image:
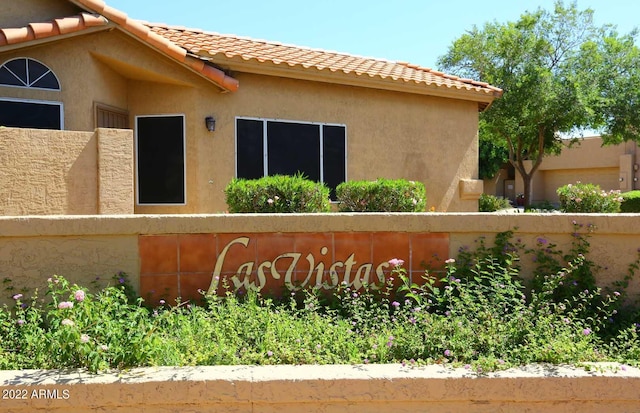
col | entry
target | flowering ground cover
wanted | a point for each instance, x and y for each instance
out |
(478, 313)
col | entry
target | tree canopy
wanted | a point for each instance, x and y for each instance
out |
(560, 73)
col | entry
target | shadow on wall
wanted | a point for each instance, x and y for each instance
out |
(81, 180)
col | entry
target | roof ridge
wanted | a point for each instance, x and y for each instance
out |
(54, 27)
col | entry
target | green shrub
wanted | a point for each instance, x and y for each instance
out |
(542, 207)
(277, 194)
(491, 203)
(630, 201)
(588, 198)
(382, 195)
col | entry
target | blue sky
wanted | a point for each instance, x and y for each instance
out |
(416, 31)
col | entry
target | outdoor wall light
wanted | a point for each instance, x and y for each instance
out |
(635, 167)
(621, 179)
(211, 123)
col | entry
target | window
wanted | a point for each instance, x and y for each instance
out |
(160, 159)
(29, 73)
(271, 147)
(22, 113)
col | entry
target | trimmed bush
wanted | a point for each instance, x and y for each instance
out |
(382, 195)
(630, 202)
(588, 198)
(277, 194)
(491, 203)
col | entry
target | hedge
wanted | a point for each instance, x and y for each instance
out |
(382, 195)
(277, 194)
(630, 201)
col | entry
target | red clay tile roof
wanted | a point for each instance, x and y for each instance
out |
(179, 42)
(57, 27)
(214, 45)
(142, 32)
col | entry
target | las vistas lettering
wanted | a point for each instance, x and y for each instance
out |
(314, 277)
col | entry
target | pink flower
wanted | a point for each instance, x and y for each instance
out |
(450, 261)
(65, 304)
(84, 338)
(447, 353)
(17, 297)
(67, 322)
(270, 201)
(586, 331)
(79, 295)
(396, 262)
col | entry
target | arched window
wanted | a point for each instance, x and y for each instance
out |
(27, 72)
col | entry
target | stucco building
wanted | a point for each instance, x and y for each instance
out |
(612, 167)
(107, 114)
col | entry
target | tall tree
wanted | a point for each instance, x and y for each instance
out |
(556, 71)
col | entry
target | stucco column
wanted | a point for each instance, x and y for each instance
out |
(115, 171)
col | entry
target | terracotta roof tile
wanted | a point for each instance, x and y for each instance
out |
(171, 49)
(209, 44)
(35, 31)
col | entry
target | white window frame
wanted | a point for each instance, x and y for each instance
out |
(265, 140)
(32, 87)
(40, 102)
(184, 156)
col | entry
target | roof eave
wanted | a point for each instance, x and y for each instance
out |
(56, 38)
(484, 96)
(140, 32)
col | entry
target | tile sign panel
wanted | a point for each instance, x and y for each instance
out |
(182, 265)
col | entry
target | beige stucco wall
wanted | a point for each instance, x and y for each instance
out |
(34, 248)
(330, 388)
(114, 69)
(44, 172)
(588, 161)
(422, 130)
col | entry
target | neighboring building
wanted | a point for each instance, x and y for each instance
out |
(613, 167)
(79, 65)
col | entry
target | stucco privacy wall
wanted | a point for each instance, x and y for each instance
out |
(389, 134)
(45, 172)
(329, 388)
(83, 247)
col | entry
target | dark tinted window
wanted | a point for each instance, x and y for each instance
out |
(293, 148)
(334, 156)
(27, 72)
(249, 149)
(30, 115)
(8, 78)
(160, 149)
